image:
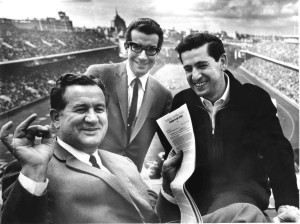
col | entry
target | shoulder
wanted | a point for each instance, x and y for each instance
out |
(95, 70)
(184, 95)
(254, 92)
(159, 86)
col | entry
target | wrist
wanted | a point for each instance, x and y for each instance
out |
(36, 173)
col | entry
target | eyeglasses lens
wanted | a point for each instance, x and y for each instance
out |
(138, 48)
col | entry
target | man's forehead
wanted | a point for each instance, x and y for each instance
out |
(143, 38)
(83, 88)
(77, 92)
(196, 55)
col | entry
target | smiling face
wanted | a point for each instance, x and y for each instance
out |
(205, 75)
(141, 63)
(83, 122)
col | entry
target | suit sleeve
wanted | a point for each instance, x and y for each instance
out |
(167, 211)
(165, 143)
(19, 206)
(93, 71)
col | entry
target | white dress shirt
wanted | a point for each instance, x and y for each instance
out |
(82, 156)
(212, 109)
(141, 91)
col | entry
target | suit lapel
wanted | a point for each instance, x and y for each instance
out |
(114, 167)
(145, 108)
(76, 164)
(122, 92)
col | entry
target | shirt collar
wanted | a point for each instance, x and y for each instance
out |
(225, 96)
(82, 156)
(131, 76)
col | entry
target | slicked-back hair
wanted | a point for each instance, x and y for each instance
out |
(57, 100)
(146, 26)
(215, 47)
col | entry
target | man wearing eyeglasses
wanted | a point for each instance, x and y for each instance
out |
(136, 98)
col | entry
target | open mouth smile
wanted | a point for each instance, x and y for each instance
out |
(200, 84)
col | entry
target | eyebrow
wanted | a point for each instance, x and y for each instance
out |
(198, 63)
(143, 45)
(187, 66)
(85, 105)
(201, 63)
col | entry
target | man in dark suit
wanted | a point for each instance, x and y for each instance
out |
(69, 180)
(137, 99)
(241, 151)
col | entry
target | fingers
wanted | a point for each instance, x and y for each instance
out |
(173, 163)
(175, 160)
(5, 137)
(288, 216)
(40, 131)
(20, 130)
(276, 220)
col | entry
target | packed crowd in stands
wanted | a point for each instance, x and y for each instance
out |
(20, 44)
(283, 79)
(280, 50)
(31, 83)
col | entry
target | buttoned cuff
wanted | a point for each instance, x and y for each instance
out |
(168, 196)
(33, 187)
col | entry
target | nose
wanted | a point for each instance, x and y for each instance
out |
(91, 116)
(196, 75)
(143, 55)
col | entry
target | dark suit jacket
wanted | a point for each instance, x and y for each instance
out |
(245, 157)
(156, 103)
(80, 193)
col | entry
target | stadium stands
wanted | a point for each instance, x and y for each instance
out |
(280, 50)
(22, 85)
(283, 79)
(19, 44)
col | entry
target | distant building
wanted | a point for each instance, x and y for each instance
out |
(49, 24)
(118, 25)
(193, 31)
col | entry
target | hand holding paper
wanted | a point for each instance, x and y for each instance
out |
(178, 129)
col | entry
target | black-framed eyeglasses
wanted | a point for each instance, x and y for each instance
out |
(137, 48)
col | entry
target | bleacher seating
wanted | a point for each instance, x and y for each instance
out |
(20, 44)
(283, 79)
(28, 84)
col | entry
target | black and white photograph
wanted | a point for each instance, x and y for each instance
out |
(149, 111)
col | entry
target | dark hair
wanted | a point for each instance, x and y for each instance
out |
(215, 46)
(57, 100)
(146, 26)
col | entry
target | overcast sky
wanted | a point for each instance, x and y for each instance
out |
(244, 16)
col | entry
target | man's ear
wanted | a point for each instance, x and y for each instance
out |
(223, 62)
(55, 117)
(126, 47)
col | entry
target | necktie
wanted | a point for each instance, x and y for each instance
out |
(94, 162)
(133, 107)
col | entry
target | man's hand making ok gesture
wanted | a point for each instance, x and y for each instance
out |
(33, 157)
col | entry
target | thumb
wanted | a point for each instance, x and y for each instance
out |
(173, 162)
(47, 136)
(176, 159)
